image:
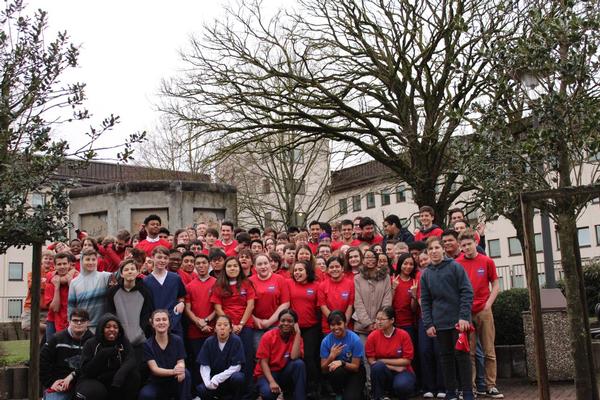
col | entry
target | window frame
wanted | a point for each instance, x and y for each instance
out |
(356, 206)
(17, 264)
(510, 252)
(589, 243)
(371, 203)
(343, 210)
(489, 247)
(386, 197)
(401, 194)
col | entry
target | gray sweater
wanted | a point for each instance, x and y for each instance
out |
(446, 295)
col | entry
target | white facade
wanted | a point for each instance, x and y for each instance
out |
(14, 266)
(377, 198)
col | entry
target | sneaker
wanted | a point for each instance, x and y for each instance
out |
(494, 393)
(441, 395)
(480, 392)
(428, 395)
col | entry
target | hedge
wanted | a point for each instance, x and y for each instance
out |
(507, 311)
(591, 282)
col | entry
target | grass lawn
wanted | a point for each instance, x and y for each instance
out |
(14, 352)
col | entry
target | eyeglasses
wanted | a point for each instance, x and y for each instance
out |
(79, 321)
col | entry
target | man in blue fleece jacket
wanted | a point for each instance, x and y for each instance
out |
(446, 299)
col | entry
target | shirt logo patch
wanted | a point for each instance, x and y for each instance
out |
(345, 295)
(310, 292)
(286, 355)
(399, 351)
(271, 288)
(349, 356)
(243, 292)
(480, 271)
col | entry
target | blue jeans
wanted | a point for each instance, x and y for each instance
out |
(293, 376)
(479, 367)
(382, 378)
(58, 395)
(232, 388)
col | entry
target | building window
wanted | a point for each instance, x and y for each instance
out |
(386, 197)
(597, 235)
(343, 203)
(356, 203)
(514, 247)
(297, 156)
(296, 186)
(266, 186)
(15, 308)
(583, 236)
(494, 248)
(38, 200)
(400, 194)
(539, 244)
(268, 219)
(15, 271)
(370, 200)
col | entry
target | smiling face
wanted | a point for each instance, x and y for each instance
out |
(347, 231)
(160, 261)
(232, 269)
(61, 266)
(368, 232)
(183, 238)
(335, 270)
(315, 231)
(424, 260)
(160, 322)
(370, 259)
(325, 251)
(187, 264)
(426, 219)
(451, 246)
(300, 274)
(304, 255)
(407, 267)
(90, 263)
(382, 260)
(87, 245)
(338, 329)
(354, 258)
(226, 233)
(286, 324)
(111, 331)
(383, 322)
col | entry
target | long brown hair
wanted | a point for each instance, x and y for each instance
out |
(223, 279)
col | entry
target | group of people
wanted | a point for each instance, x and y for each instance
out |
(328, 310)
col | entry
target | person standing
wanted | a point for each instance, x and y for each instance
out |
(446, 300)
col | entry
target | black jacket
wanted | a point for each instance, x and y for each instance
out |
(108, 362)
(60, 356)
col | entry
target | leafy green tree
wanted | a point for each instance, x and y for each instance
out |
(33, 102)
(538, 130)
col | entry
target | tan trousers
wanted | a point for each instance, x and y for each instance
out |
(485, 330)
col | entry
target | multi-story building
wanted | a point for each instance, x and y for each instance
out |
(279, 183)
(372, 190)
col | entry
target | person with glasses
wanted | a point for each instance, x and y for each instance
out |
(60, 357)
(389, 352)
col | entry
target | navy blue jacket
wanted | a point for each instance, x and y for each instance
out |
(446, 295)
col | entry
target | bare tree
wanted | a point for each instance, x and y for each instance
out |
(279, 184)
(171, 147)
(394, 79)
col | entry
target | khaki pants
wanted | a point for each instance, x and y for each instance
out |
(485, 330)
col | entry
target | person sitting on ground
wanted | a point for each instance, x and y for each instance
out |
(280, 364)
(165, 355)
(108, 364)
(60, 357)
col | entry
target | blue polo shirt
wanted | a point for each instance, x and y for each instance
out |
(353, 347)
(166, 358)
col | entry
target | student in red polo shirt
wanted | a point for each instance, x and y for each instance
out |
(199, 310)
(481, 271)
(186, 271)
(315, 232)
(405, 294)
(280, 362)
(335, 292)
(347, 229)
(227, 242)
(151, 227)
(368, 235)
(272, 296)
(304, 289)
(233, 295)
(390, 351)
(428, 228)
(56, 293)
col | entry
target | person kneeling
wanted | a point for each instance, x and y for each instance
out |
(221, 359)
(389, 352)
(165, 355)
(341, 359)
(280, 365)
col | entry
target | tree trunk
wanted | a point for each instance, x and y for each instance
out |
(581, 346)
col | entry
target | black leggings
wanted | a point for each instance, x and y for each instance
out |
(93, 389)
(312, 342)
(453, 360)
(348, 384)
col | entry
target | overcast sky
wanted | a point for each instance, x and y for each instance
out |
(127, 47)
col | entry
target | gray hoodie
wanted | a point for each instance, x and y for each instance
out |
(446, 295)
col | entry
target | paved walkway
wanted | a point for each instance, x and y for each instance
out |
(523, 390)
